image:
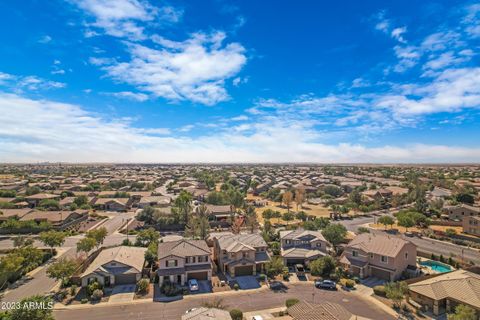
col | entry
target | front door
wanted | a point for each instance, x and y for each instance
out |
(179, 279)
(106, 281)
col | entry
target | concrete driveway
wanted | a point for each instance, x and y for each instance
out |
(122, 293)
(204, 286)
(247, 282)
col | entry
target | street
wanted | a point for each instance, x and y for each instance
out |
(243, 300)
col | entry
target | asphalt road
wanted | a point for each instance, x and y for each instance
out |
(243, 300)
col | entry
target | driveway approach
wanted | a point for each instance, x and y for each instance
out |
(244, 300)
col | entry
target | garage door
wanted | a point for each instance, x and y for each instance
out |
(128, 278)
(198, 275)
(292, 262)
(379, 273)
(244, 271)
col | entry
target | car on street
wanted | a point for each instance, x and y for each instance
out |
(190, 310)
(326, 284)
(193, 285)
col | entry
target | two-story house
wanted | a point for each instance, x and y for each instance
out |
(182, 260)
(379, 255)
(240, 254)
(460, 211)
(471, 225)
(302, 246)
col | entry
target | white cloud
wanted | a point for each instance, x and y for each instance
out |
(195, 69)
(408, 56)
(472, 20)
(129, 95)
(397, 34)
(124, 18)
(45, 39)
(30, 83)
(65, 132)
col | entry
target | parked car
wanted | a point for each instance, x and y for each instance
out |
(257, 318)
(193, 285)
(190, 310)
(299, 270)
(326, 284)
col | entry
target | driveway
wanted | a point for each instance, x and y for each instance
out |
(204, 286)
(247, 282)
(372, 282)
(122, 293)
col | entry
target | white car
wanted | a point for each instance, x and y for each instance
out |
(190, 310)
(257, 318)
(193, 285)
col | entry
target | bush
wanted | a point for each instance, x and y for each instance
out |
(84, 300)
(379, 291)
(236, 286)
(236, 314)
(97, 295)
(73, 290)
(143, 285)
(93, 286)
(291, 302)
(170, 290)
(348, 283)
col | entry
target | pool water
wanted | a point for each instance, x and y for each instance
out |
(436, 266)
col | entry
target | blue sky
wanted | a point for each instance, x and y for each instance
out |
(239, 81)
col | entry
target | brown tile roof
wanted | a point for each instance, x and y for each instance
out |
(183, 248)
(461, 285)
(325, 311)
(380, 244)
(133, 257)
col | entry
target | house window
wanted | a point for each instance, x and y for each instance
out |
(319, 245)
(371, 255)
(171, 263)
(384, 259)
(245, 254)
(355, 253)
(187, 260)
(206, 258)
(200, 259)
(406, 255)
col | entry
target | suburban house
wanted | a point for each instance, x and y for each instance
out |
(114, 266)
(112, 204)
(240, 254)
(302, 246)
(471, 225)
(182, 260)
(378, 255)
(323, 311)
(154, 201)
(204, 313)
(34, 200)
(459, 211)
(218, 212)
(439, 193)
(61, 220)
(6, 214)
(442, 293)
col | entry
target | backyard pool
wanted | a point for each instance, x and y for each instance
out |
(436, 266)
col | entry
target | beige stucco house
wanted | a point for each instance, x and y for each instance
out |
(240, 254)
(179, 261)
(442, 293)
(114, 266)
(379, 255)
(302, 246)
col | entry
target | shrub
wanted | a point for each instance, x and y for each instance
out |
(291, 302)
(236, 314)
(348, 283)
(236, 286)
(170, 290)
(73, 290)
(97, 295)
(93, 286)
(143, 285)
(84, 300)
(379, 291)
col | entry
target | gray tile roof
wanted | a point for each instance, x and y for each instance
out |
(133, 257)
(237, 242)
(380, 244)
(299, 233)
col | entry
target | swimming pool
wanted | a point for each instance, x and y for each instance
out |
(436, 266)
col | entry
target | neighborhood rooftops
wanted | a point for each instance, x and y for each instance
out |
(325, 311)
(299, 233)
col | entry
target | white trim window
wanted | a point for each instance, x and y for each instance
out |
(384, 259)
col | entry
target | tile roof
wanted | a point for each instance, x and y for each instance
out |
(207, 314)
(461, 285)
(237, 242)
(133, 257)
(325, 311)
(301, 253)
(380, 244)
(300, 233)
(183, 248)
